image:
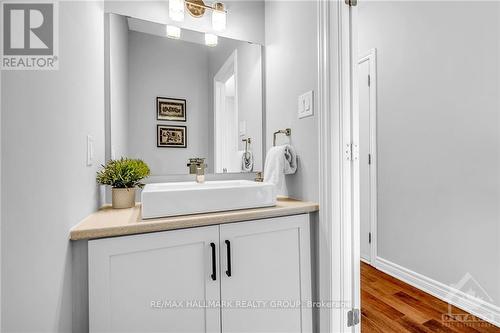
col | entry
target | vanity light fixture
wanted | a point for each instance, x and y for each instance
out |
(211, 39)
(176, 10)
(173, 32)
(197, 9)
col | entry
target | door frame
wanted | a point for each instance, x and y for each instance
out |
(338, 262)
(371, 57)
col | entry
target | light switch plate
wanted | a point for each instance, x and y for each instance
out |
(305, 105)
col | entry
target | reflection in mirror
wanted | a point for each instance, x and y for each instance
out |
(236, 97)
(226, 116)
(170, 100)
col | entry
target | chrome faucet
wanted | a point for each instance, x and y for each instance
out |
(197, 167)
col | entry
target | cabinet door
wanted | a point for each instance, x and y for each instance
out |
(270, 277)
(155, 282)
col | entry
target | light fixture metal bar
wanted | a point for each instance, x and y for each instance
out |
(205, 6)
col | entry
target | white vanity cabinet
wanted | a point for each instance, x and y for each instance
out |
(271, 271)
(130, 277)
(250, 276)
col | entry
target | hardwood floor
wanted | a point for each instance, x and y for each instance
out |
(390, 305)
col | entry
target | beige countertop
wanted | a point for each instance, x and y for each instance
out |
(109, 222)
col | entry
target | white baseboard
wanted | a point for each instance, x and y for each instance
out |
(366, 261)
(478, 307)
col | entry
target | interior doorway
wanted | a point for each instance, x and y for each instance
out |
(367, 94)
(404, 282)
(226, 116)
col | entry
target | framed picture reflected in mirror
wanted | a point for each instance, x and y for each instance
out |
(170, 109)
(168, 136)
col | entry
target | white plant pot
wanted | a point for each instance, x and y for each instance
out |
(123, 197)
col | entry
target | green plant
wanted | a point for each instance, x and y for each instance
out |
(123, 173)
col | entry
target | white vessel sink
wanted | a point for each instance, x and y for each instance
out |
(171, 199)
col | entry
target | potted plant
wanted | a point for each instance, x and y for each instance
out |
(124, 175)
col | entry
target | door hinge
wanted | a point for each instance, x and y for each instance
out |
(351, 3)
(353, 317)
(369, 80)
(370, 237)
(351, 152)
(369, 158)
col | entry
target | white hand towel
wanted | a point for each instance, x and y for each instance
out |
(280, 160)
(246, 160)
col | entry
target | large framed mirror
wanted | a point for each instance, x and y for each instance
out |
(172, 98)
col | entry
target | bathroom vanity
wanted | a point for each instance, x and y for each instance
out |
(240, 261)
(246, 270)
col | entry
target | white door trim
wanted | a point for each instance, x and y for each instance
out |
(354, 235)
(336, 250)
(371, 56)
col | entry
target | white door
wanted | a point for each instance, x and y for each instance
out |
(367, 103)
(269, 267)
(143, 283)
(364, 157)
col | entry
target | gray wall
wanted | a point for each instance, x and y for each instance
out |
(291, 70)
(168, 68)
(118, 86)
(46, 186)
(438, 136)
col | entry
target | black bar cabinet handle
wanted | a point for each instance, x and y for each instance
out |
(228, 247)
(214, 274)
